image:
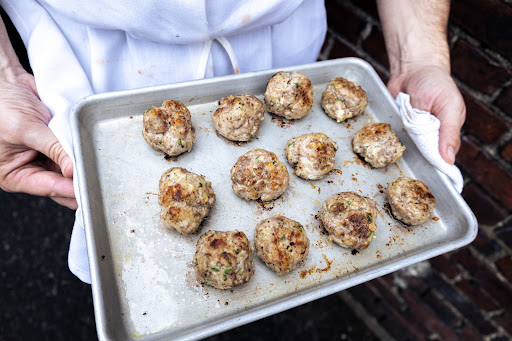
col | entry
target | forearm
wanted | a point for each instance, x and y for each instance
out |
(9, 62)
(415, 33)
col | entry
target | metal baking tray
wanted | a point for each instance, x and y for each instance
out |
(143, 283)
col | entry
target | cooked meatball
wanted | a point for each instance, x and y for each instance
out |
(378, 144)
(258, 174)
(410, 200)
(312, 155)
(290, 96)
(185, 199)
(350, 219)
(281, 243)
(343, 99)
(238, 117)
(169, 128)
(224, 259)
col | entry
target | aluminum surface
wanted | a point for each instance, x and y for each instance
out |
(143, 281)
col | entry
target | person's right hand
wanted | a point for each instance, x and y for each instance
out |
(31, 158)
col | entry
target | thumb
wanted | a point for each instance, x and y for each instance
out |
(452, 117)
(42, 139)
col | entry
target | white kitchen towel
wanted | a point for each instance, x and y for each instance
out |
(423, 128)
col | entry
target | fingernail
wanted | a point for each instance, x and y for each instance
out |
(450, 151)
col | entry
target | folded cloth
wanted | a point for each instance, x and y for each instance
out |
(423, 128)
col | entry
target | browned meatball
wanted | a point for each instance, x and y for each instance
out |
(185, 199)
(259, 174)
(312, 155)
(378, 144)
(410, 200)
(224, 259)
(290, 96)
(281, 243)
(169, 128)
(238, 117)
(343, 99)
(350, 219)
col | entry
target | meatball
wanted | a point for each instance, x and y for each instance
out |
(378, 144)
(290, 96)
(224, 259)
(410, 200)
(343, 99)
(258, 174)
(238, 117)
(312, 155)
(169, 128)
(350, 219)
(185, 199)
(281, 243)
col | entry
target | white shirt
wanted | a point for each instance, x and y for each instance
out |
(77, 48)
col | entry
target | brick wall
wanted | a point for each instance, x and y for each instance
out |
(465, 294)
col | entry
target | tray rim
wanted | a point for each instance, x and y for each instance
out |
(255, 313)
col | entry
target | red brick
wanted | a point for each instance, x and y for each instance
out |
(443, 312)
(505, 234)
(504, 101)
(385, 292)
(480, 298)
(484, 170)
(392, 320)
(376, 47)
(459, 302)
(486, 210)
(488, 21)
(482, 123)
(505, 321)
(469, 333)
(485, 277)
(445, 266)
(506, 152)
(344, 21)
(477, 69)
(485, 246)
(342, 50)
(428, 318)
(505, 266)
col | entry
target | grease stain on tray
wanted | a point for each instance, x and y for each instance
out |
(281, 122)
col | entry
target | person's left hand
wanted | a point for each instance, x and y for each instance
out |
(432, 89)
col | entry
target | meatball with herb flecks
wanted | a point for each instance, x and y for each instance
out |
(378, 144)
(258, 174)
(281, 243)
(169, 128)
(224, 260)
(185, 199)
(410, 200)
(289, 95)
(238, 118)
(343, 99)
(311, 155)
(350, 219)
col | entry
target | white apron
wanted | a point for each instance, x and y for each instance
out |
(77, 48)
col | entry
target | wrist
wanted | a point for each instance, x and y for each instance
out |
(411, 52)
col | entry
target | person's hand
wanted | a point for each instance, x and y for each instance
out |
(31, 158)
(432, 89)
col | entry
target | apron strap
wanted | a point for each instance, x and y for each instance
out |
(205, 53)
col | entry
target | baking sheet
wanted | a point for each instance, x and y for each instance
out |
(144, 285)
